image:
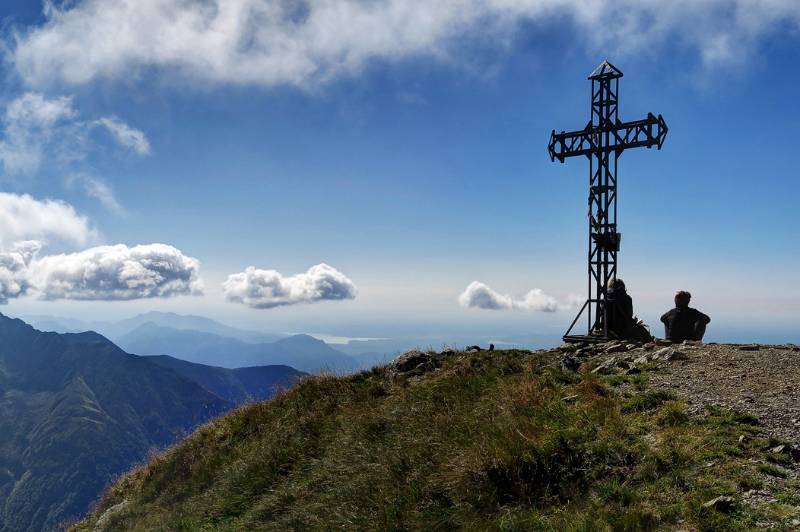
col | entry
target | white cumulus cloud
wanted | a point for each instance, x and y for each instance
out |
(306, 42)
(265, 289)
(23, 217)
(478, 295)
(14, 269)
(116, 272)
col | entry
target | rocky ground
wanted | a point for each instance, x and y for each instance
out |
(760, 383)
(762, 380)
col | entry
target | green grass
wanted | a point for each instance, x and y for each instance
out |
(485, 442)
(647, 400)
(775, 471)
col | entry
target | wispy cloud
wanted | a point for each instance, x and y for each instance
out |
(29, 123)
(305, 43)
(125, 135)
(97, 188)
(266, 289)
(478, 295)
(37, 127)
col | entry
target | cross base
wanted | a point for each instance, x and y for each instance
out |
(584, 339)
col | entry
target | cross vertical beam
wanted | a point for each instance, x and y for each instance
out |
(602, 141)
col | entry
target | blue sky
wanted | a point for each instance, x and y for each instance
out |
(412, 161)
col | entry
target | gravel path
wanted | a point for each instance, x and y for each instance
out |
(761, 380)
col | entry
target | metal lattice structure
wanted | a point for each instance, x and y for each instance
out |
(602, 141)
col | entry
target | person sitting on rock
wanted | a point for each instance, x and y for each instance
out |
(682, 322)
(620, 308)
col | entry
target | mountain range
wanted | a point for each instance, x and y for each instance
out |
(299, 351)
(76, 411)
(206, 341)
(115, 329)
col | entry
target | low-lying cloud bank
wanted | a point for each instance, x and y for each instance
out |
(264, 289)
(103, 273)
(478, 295)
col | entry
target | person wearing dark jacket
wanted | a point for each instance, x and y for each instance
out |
(682, 322)
(620, 308)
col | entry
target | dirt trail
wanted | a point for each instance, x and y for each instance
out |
(763, 380)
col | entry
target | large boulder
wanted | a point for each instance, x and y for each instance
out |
(414, 363)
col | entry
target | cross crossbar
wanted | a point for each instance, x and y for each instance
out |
(646, 133)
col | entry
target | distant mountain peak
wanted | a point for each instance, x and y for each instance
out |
(300, 338)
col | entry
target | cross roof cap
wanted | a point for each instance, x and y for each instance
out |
(605, 71)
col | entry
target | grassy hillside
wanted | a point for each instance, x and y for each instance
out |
(504, 440)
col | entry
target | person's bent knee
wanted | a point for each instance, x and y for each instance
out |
(699, 330)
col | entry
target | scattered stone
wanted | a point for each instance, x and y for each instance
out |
(743, 438)
(641, 361)
(721, 504)
(778, 449)
(569, 398)
(676, 355)
(615, 347)
(795, 522)
(570, 363)
(630, 346)
(606, 366)
(750, 347)
(584, 352)
(661, 352)
(413, 363)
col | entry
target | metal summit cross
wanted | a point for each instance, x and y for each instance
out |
(602, 141)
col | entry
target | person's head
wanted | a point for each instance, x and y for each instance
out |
(616, 285)
(682, 299)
